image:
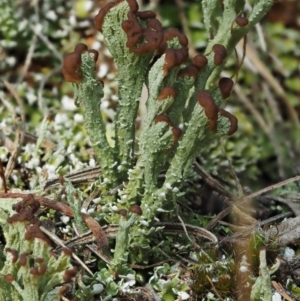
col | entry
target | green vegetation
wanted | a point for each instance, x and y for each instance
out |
(142, 119)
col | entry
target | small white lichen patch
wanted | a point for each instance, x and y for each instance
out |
(65, 219)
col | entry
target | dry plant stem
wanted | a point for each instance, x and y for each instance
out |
(42, 104)
(240, 64)
(32, 46)
(60, 243)
(14, 156)
(2, 175)
(261, 37)
(269, 188)
(278, 125)
(28, 59)
(218, 218)
(266, 127)
(81, 176)
(248, 104)
(281, 291)
(21, 107)
(275, 130)
(20, 132)
(273, 82)
(209, 180)
(213, 287)
(5, 141)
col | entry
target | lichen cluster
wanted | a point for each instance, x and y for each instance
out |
(142, 174)
(183, 114)
(31, 270)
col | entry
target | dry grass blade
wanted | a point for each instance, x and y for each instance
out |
(281, 291)
(60, 243)
(269, 188)
(2, 175)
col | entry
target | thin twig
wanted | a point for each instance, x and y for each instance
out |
(210, 181)
(20, 103)
(237, 181)
(28, 59)
(2, 175)
(245, 100)
(218, 218)
(273, 82)
(20, 131)
(42, 106)
(269, 188)
(214, 288)
(60, 243)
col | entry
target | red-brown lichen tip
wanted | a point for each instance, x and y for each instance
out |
(174, 57)
(225, 86)
(147, 14)
(220, 54)
(206, 101)
(174, 32)
(63, 289)
(41, 269)
(67, 251)
(136, 209)
(167, 92)
(25, 210)
(219, 48)
(69, 274)
(98, 21)
(176, 133)
(163, 118)
(72, 63)
(213, 124)
(203, 94)
(133, 5)
(232, 119)
(33, 231)
(189, 71)
(14, 254)
(23, 259)
(9, 278)
(153, 34)
(241, 21)
(95, 54)
(199, 61)
(80, 48)
(123, 212)
(71, 68)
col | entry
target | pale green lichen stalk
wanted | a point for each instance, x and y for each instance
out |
(132, 70)
(89, 94)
